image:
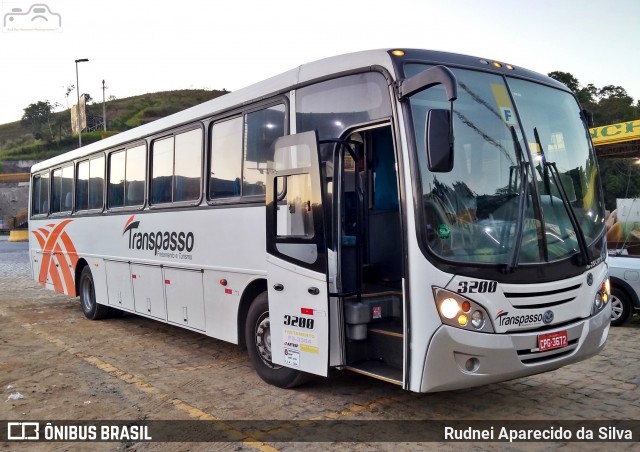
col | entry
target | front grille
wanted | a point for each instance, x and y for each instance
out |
(527, 356)
(521, 297)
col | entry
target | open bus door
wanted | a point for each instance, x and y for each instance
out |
(297, 257)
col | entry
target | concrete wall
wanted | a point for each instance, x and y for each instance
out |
(14, 198)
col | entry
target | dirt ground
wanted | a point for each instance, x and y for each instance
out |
(131, 368)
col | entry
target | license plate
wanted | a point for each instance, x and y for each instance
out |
(551, 341)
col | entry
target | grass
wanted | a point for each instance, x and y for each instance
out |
(17, 142)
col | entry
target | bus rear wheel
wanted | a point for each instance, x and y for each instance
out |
(258, 340)
(90, 307)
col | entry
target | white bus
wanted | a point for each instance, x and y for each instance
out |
(430, 219)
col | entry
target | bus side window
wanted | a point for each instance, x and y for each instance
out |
(40, 202)
(226, 159)
(261, 130)
(96, 183)
(116, 179)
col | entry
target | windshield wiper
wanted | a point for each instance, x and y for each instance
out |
(514, 254)
(582, 243)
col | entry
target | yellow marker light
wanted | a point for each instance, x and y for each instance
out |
(496, 64)
(606, 290)
(462, 320)
(449, 308)
(508, 66)
(397, 53)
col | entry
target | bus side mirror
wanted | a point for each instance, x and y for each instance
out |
(439, 141)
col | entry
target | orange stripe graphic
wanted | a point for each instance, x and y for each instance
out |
(66, 271)
(55, 277)
(48, 248)
(71, 250)
(39, 237)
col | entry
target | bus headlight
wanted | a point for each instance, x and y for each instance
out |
(458, 311)
(477, 319)
(449, 308)
(602, 297)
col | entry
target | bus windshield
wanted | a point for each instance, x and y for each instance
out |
(518, 169)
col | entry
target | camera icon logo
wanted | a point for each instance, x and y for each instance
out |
(23, 431)
(38, 17)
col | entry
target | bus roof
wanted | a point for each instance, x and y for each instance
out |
(280, 83)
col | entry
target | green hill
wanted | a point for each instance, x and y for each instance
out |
(18, 143)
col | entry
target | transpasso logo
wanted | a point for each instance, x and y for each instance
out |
(505, 319)
(164, 243)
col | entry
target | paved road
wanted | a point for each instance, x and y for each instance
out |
(67, 367)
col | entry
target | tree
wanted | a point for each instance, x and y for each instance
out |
(67, 92)
(36, 116)
(584, 95)
(615, 105)
(610, 104)
(620, 179)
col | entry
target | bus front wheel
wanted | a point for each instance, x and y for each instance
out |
(90, 307)
(258, 340)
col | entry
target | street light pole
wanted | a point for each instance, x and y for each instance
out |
(81, 60)
(104, 111)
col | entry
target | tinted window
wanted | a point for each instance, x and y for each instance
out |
(226, 158)
(134, 175)
(162, 171)
(40, 194)
(116, 179)
(261, 130)
(177, 168)
(96, 183)
(82, 186)
(331, 107)
(62, 190)
(188, 165)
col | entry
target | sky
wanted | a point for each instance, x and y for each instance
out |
(142, 46)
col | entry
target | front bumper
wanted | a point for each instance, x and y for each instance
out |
(458, 358)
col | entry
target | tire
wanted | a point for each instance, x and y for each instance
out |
(258, 339)
(90, 307)
(620, 307)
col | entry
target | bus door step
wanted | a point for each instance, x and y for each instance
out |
(377, 369)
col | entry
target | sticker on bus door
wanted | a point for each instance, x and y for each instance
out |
(299, 323)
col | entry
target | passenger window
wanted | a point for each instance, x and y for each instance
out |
(188, 166)
(261, 130)
(82, 186)
(126, 177)
(40, 201)
(226, 159)
(96, 183)
(62, 190)
(177, 168)
(162, 171)
(134, 175)
(116, 179)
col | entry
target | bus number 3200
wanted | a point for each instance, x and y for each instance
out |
(301, 322)
(477, 286)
